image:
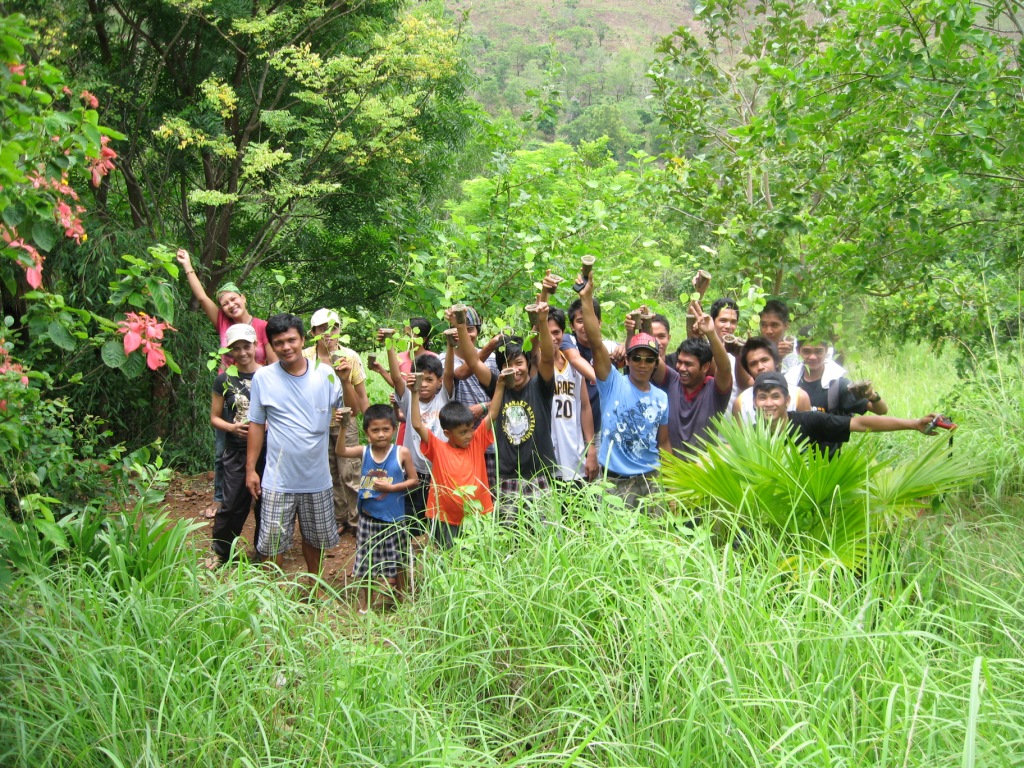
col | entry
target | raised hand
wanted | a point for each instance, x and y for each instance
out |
(701, 321)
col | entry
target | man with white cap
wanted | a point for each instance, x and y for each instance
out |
(325, 328)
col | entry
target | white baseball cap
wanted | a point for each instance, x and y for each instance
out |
(240, 332)
(326, 317)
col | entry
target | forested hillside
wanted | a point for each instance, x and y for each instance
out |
(580, 67)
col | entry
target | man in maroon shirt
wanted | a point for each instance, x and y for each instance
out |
(695, 397)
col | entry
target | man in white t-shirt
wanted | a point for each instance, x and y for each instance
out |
(291, 404)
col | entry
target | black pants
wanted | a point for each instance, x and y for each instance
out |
(416, 506)
(234, 511)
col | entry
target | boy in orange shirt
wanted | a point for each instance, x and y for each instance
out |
(457, 467)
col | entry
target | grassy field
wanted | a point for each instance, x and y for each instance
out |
(601, 640)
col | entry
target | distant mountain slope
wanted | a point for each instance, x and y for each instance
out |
(614, 24)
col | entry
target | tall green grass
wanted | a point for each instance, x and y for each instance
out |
(987, 402)
(601, 638)
(616, 641)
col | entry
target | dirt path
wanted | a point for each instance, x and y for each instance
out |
(189, 495)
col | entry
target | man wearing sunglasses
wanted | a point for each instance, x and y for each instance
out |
(634, 414)
(695, 397)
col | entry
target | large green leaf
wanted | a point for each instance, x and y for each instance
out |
(827, 508)
(163, 299)
(113, 354)
(61, 336)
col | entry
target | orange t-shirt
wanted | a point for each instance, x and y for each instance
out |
(453, 468)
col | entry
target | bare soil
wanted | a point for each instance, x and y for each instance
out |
(187, 497)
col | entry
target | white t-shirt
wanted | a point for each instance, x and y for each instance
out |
(429, 414)
(297, 411)
(566, 423)
(735, 382)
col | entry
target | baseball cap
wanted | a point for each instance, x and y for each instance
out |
(324, 316)
(771, 380)
(239, 332)
(642, 341)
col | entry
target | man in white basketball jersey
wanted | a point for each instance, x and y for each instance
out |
(572, 422)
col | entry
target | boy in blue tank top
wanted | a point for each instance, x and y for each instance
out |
(388, 471)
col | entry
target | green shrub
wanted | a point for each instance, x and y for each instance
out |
(826, 508)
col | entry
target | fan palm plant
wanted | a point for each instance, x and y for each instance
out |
(831, 509)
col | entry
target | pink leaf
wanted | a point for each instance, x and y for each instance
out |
(132, 340)
(155, 357)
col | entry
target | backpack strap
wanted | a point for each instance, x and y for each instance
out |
(833, 395)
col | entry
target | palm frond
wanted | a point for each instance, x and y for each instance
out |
(830, 508)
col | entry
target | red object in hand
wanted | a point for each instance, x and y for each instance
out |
(940, 422)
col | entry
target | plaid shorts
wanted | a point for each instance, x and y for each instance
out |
(381, 547)
(491, 462)
(515, 492)
(277, 521)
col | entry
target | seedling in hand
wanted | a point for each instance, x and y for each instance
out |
(586, 264)
(701, 282)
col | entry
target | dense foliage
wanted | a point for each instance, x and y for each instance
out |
(576, 71)
(857, 148)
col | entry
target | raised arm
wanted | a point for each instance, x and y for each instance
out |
(346, 451)
(546, 363)
(494, 407)
(602, 362)
(415, 416)
(706, 325)
(585, 369)
(548, 286)
(396, 373)
(209, 305)
(448, 375)
(469, 353)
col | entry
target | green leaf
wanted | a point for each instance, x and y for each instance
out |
(113, 354)
(52, 533)
(44, 235)
(13, 214)
(134, 365)
(163, 300)
(174, 367)
(60, 336)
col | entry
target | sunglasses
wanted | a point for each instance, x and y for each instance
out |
(644, 359)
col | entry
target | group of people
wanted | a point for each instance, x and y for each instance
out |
(491, 424)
